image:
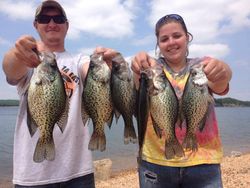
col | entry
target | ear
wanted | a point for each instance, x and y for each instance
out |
(35, 24)
(67, 25)
(188, 38)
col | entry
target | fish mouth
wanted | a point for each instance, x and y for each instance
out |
(200, 80)
(200, 83)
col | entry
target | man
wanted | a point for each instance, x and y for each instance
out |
(72, 166)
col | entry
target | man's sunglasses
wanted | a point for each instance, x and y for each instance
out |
(45, 19)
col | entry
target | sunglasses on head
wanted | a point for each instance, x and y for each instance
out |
(45, 19)
(169, 16)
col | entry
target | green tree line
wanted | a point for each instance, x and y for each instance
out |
(9, 102)
(231, 102)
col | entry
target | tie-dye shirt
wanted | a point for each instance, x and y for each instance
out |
(209, 143)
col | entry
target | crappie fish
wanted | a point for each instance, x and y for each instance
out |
(47, 105)
(97, 103)
(164, 107)
(142, 108)
(123, 96)
(195, 105)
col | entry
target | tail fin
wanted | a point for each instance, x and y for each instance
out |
(190, 142)
(44, 150)
(97, 141)
(173, 149)
(129, 132)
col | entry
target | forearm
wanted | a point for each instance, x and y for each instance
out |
(12, 67)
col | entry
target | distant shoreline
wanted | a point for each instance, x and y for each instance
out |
(9, 102)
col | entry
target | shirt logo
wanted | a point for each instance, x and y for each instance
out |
(70, 80)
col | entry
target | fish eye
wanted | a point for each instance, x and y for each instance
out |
(91, 65)
(53, 64)
(116, 66)
(193, 72)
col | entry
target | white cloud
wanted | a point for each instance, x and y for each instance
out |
(213, 50)
(108, 19)
(17, 10)
(144, 41)
(86, 51)
(205, 19)
(111, 19)
(152, 53)
(238, 13)
(200, 50)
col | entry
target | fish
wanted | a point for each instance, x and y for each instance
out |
(164, 109)
(96, 101)
(123, 94)
(47, 105)
(195, 105)
(142, 110)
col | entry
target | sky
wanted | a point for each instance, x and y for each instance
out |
(221, 29)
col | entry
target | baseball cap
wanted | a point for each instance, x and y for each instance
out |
(49, 4)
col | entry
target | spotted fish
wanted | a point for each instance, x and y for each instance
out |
(124, 95)
(96, 100)
(48, 105)
(195, 105)
(163, 108)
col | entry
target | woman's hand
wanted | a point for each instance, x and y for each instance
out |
(141, 61)
(218, 73)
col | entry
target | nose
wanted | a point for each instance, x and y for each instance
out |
(171, 40)
(51, 22)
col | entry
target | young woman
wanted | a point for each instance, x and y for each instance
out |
(198, 166)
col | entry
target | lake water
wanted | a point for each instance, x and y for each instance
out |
(234, 124)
